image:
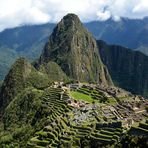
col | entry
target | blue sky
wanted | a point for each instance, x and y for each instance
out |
(17, 12)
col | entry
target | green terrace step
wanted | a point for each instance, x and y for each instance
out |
(98, 135)
(116, 137)
(83, 92)
(65, 143)
(81, 127)
(67, 138)
(71, 133)
(43, 143)
(109, 129)
(51, 119)
(119, 129)
(63, 125)
(143, 125)
(53, 98)
(51, 135)
(53, 116)
(84, 130)
(36, 141)
(54, 145)
(58, 113)
(55, 133)
(39, 146)
(41, 134)
(54, 90)
(81, 134)
(102, 140)
(106, 132)
(117, 133)
(48, 128)
(30, 145)
(57, 101)
(97, 96)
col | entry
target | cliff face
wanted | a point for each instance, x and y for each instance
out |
(73, 48)
(128, 69)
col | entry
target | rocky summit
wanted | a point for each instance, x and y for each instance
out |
(73, 48)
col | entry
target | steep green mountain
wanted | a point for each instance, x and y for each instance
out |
(128, 69)
(23, 75)
(14, 81)
(73, 48)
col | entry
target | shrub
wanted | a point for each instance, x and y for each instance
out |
(6, 139)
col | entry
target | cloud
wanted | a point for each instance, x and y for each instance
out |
(17, 12)
(103, 15)
(141, 7)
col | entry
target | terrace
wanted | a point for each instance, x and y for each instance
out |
(82, 114)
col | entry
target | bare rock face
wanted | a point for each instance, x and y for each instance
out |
(73, 48)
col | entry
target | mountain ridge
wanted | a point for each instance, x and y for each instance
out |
(128, 68)
(18, 41)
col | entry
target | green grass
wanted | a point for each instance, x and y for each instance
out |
(112, 101)
(81, 96)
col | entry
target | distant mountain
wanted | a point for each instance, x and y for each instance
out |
(28, 41)
(128, 69)
(24, 40)
(131, 33)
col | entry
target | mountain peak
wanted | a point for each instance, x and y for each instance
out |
(73, 48)
(71, 16)
(71, 19)
(70, 23)
(14, 81)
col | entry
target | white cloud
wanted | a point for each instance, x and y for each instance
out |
(102, 16)
(16, 12)
(141, 7)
